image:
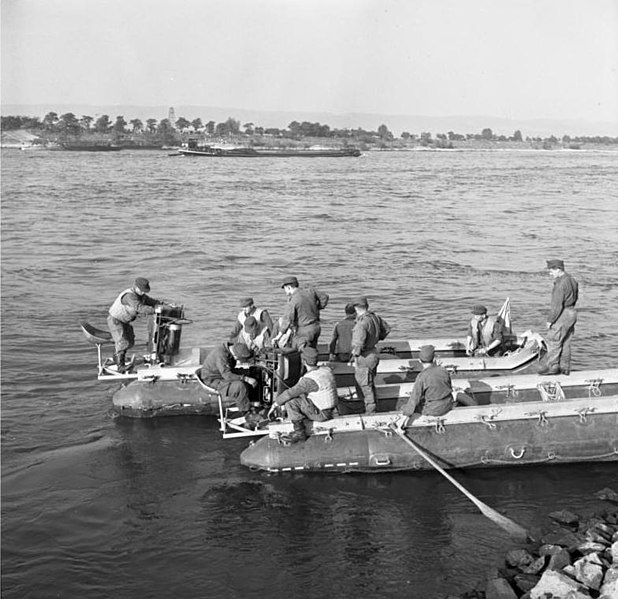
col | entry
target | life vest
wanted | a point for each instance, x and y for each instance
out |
(483, 335)
(121, 312)
(325, 397)
(257, 342)
(257, 315)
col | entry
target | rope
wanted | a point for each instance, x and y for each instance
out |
(594, 387)
(551, 391)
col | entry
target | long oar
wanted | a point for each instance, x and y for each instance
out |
(514, 529)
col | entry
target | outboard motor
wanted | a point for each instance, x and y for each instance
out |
(167, 329)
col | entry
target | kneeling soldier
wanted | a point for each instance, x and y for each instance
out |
(313, 397)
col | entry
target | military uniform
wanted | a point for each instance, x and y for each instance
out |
(303, 313)
(561, 318)
(218, 372)
(369, 328)
(432, 394)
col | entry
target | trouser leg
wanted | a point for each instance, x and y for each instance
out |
(565, 357)
(365, 372)
(237, 391)
(122, 334)
(307, 335)
(302, 407)
(559, 340)
(465, 400)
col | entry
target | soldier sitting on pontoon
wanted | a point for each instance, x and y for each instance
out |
(485, 334)
(313, 397)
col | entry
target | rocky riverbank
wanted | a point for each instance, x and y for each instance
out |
(577, 558)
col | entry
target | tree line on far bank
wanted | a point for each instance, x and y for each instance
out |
(67, 127)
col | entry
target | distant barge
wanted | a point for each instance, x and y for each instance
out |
(193, 149)
(91, 147)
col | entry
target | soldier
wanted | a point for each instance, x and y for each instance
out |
(302, 313)
(340, 346)
(560, 320)
(127, 306)
(248, 310)
(369, 328)
(219, 372)
(485, 334)
(313, 397)
(254, 335)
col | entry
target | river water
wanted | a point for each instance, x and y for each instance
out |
(98, 507)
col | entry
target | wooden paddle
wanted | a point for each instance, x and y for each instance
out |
(515, 530)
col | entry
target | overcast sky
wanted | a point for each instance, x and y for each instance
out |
(517, 59)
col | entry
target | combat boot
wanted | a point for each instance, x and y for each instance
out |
(120, 361)
(297, 435)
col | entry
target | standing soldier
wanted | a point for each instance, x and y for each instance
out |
(560, 320)
(302, 313)
(125, 309)
(368, 330)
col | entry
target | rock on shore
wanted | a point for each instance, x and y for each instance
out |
(576, 559)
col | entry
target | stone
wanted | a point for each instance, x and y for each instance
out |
(590, 547)
(607, 494)
(614, 552)
(589, 571)
(609, 588)
(498, 588)
(549, 549)
(518, 558)
(559, 560)
(565, 517)
(605, 529)
(596, 537)
(536, 566)
(562, 538)
(556, 583)
(526, 582)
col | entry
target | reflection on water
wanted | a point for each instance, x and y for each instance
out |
(98, 507)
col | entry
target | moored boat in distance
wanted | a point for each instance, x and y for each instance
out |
(193, 149)
(90, 147)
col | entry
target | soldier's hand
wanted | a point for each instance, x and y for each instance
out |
(272, 412)
(332, 357)
(250, 380)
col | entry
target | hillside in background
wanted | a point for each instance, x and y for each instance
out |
(396, 123)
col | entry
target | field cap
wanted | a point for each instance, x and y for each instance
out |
(479, 309)
(361, 300)
(246, 302)
(555, 264)
(310, 355)
(289, 281)
(349, 308)
(250, 324)
(142, 284)
(241, 351)
(427, 353)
